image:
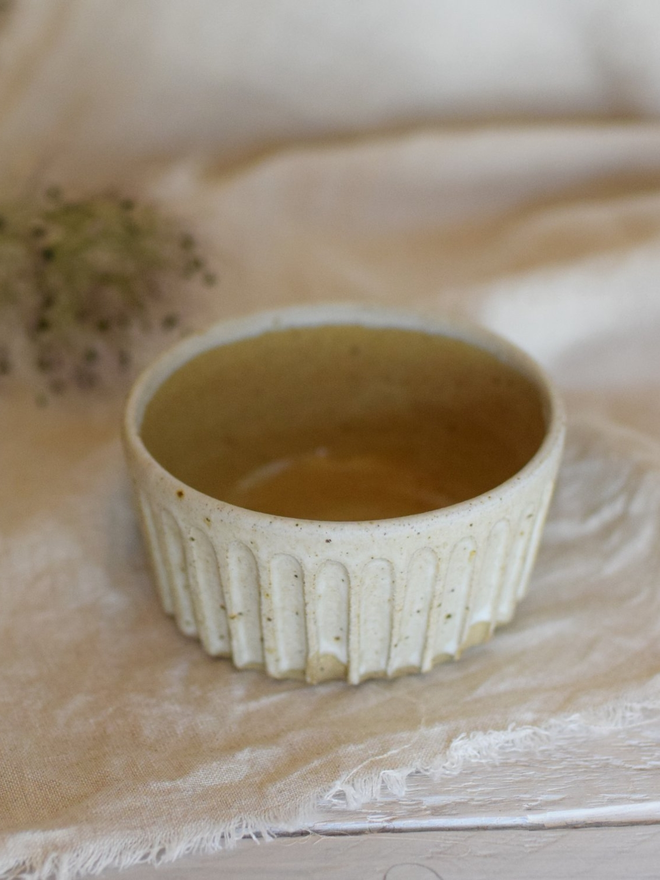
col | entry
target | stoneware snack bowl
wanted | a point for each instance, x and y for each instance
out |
(342, 491)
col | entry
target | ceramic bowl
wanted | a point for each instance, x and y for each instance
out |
(301, 597)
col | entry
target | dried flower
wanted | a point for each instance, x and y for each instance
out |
(81, 279)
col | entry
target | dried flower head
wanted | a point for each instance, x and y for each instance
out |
(82, 279)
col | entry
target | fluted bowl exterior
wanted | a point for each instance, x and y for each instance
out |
(352, 600)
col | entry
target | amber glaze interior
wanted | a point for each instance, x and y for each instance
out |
(344, 422)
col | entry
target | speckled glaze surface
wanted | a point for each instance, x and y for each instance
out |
(352, 600)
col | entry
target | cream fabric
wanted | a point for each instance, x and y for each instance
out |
(119, 739)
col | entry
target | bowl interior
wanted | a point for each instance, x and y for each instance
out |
(345, 422)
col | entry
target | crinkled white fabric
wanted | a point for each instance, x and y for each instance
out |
(119, 739)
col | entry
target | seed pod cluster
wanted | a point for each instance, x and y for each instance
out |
(81, 280)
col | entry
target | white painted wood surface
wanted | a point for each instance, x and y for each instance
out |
(591, 809)
(560, 854)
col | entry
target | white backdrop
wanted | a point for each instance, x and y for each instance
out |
(115, 84)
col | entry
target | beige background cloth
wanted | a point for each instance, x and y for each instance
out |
(119, 740)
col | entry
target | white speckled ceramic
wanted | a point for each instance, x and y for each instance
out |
(354, 600)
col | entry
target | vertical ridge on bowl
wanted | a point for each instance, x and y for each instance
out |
(174, 553)
(283, 618)
(208, 598)
(243, 593)
(488, 584)
(375, 589)
(328, 622)
(150, 531)
(534, 543)
(412, 619)
(520, 550)
(454, 598)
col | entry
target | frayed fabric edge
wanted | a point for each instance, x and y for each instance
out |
(491, 747)
(355, 789)
(129, 849)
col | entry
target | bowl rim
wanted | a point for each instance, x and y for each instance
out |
(256, 323)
